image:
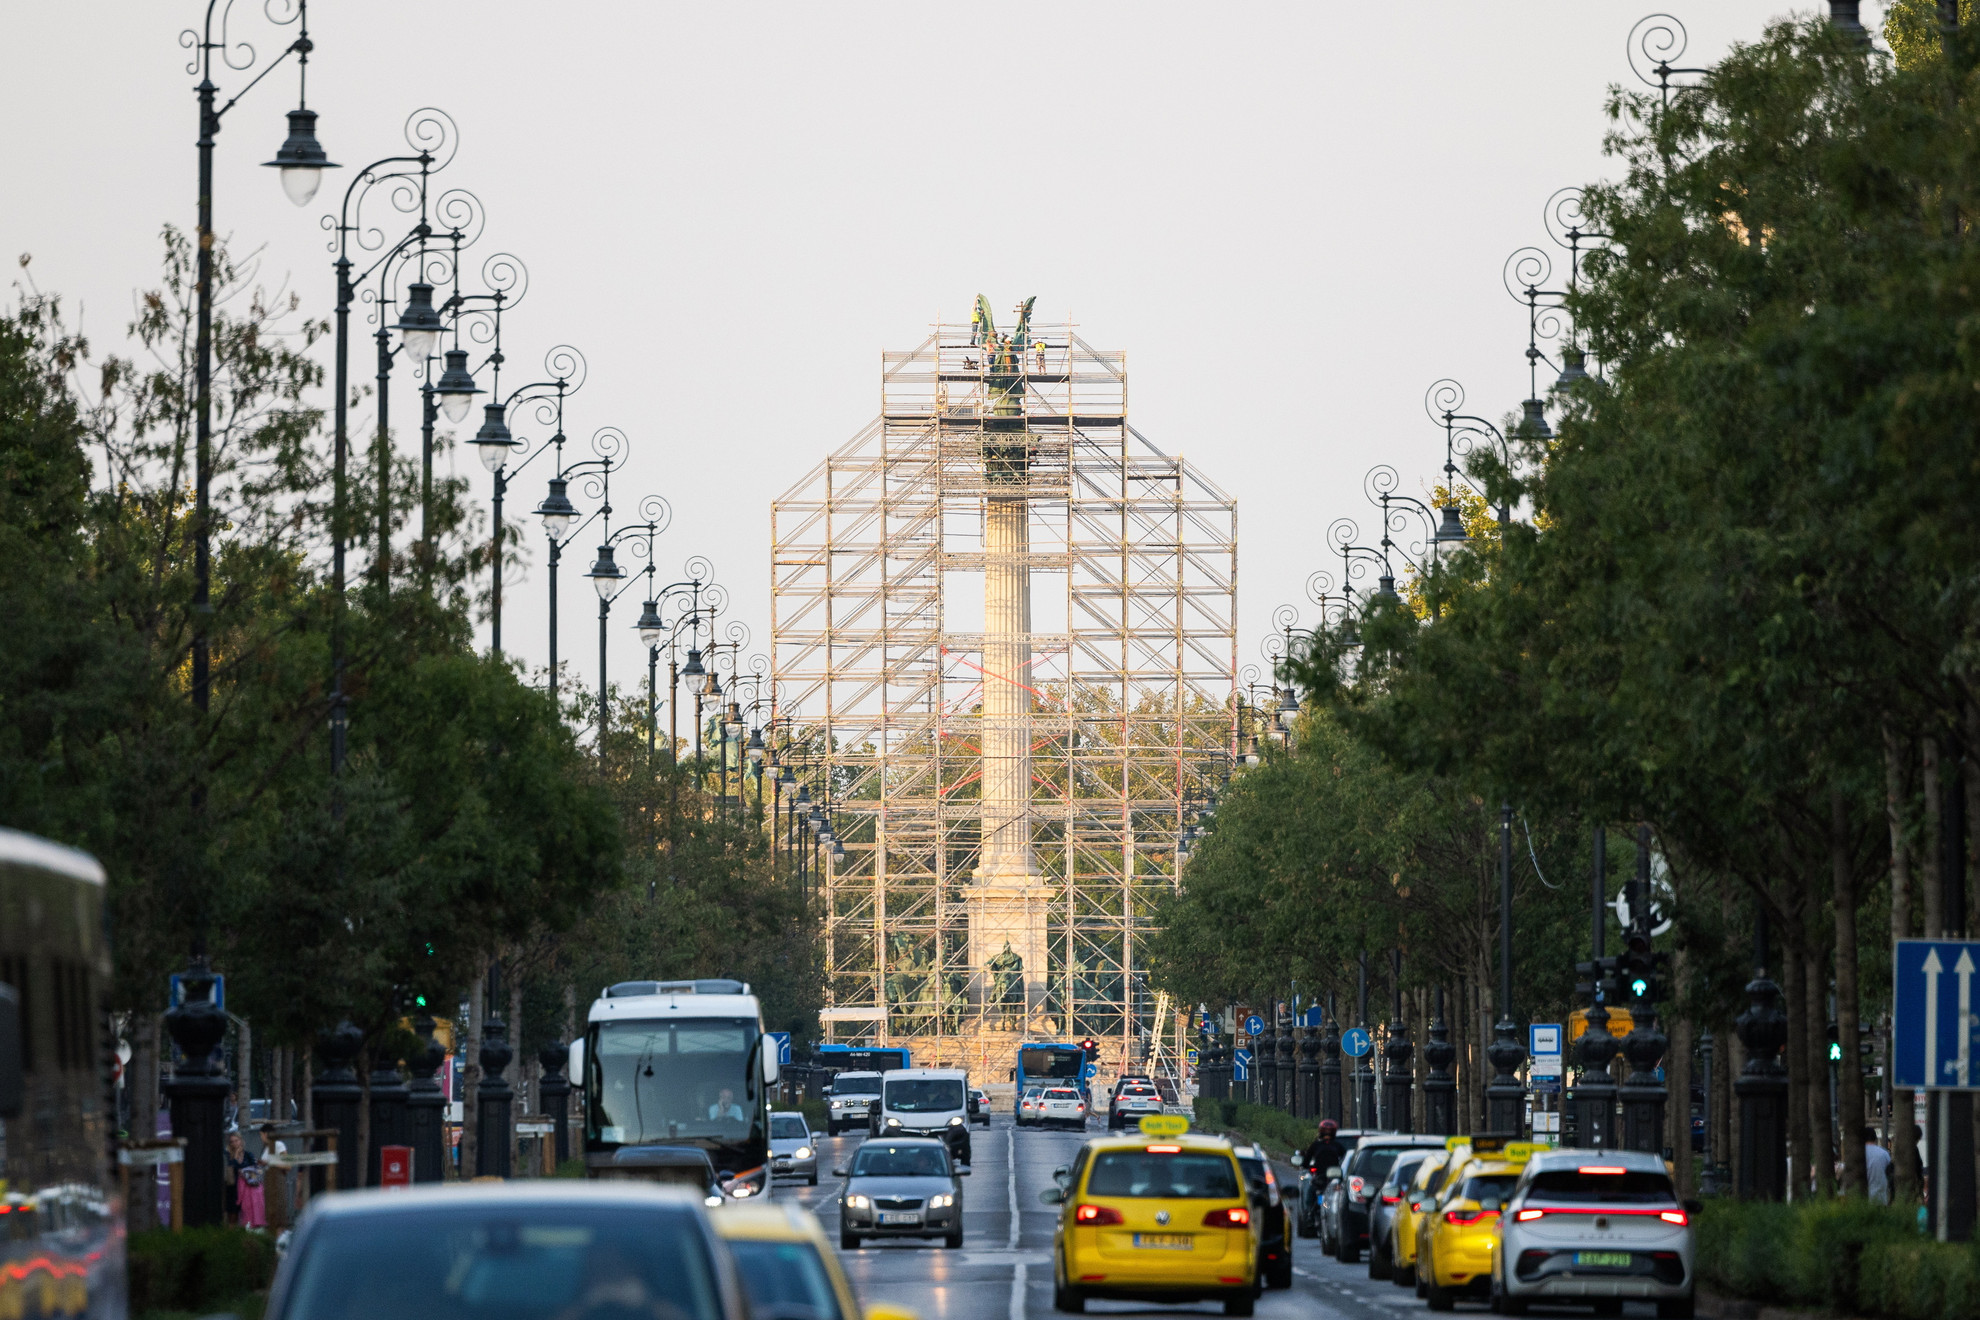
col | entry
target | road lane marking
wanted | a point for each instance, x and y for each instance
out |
(1017, 1291)
(1011, 1148)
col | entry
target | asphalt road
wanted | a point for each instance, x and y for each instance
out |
(1004, 1269)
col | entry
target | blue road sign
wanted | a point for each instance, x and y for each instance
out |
(1189, 1056)
(1543, 1039)
(1355, 1042)
(783, 1039)
(1312, 1017)
(1254, 1025)
(1240, 1065)
(1934, 1031)
(1087, 1071)
(1209, 1024)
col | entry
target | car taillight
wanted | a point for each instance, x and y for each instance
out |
(1525, 1215)
(1390, 1200)
(1673, 1217)
(1097, 1214)
(1235, 1217)
(1469, 1216)
(1354, 1187)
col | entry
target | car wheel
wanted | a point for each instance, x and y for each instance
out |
(1608, 1306)
(1347, 1253)
(1510, 1305)
(1439, 1299)
(1378, 1262)
(1404, 1277)
(1241, 1303)
(1674, 1308)
(1280, 1275)
(953, 1240)
(848, 1241)
(813, 1180)
(1070, 1300)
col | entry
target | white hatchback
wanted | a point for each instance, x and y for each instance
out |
(1060, 1104)
(1594, 1226)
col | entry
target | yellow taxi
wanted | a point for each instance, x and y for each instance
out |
(1454, 1249)
(1417, 1200)
(1163, 1216)
(786, 1264)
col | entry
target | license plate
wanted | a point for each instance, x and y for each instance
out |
(901, 1217)
(1165, 1241)
(783, 1164)
(1603, 1258)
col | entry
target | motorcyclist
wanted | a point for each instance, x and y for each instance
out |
(1326, 1152)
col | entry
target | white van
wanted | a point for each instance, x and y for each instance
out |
(925, 1102)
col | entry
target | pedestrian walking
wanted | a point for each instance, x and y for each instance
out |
(1877, 1167)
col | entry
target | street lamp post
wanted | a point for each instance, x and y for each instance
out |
(1439, 1086)
(1592, 1104)
(558, 513)
(1397, 1079)
(609, 580)
(197, 1093)
(1641, 1093)
(1505, 1097)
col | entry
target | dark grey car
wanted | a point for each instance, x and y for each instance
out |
(901, 1187)
(1383, 1209)
(546, 1249)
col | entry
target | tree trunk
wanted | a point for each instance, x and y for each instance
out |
(1905, 1169)
(1849, 1082)
(1794, 1000)
(1934, 895)
(142, 1079)
(516, 1074)
(471, 1072)
(1821, 1128)
(364, 1118)
(1725, 1143)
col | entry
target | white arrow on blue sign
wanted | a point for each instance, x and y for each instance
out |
(1254, 1025)
(783, 1039)
(1355, 1042)
(1935, 1033)
(1240, 1065)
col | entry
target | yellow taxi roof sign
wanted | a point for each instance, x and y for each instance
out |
(1519, 1152)
(1456, 1143)
(1163, 1125)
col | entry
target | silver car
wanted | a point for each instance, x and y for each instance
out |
(539, 1249)
(793, 1149)
(1594, 1226)
(901, 1187)
(850, 1102)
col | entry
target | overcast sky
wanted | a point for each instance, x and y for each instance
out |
(1292, 217)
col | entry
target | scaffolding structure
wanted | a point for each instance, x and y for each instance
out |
(1000, 608)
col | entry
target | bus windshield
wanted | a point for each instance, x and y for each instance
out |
(661, 1081)
(1041, 1061)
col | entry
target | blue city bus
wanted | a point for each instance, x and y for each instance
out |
(862, 1058)
(1041, 1063)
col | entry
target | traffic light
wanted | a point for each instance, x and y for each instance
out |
(1091, 1047)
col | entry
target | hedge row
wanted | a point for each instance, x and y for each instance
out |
(198, 1269)
(1851, 1257)
(1255, 1121)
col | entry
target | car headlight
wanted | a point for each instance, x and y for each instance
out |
(857, 1203)
(802, 1153)
(893, 1122)
(941, 1202)
(956, 1121)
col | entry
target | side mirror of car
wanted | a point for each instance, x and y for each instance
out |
(574, 1063)
(1053, 1196)
(839, 1172)
(1059, 1173)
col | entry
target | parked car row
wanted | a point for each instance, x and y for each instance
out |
(1506, 1222)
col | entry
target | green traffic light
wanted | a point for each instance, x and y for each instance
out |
(1835, 1051)
(1639, 987)
(420, 1000)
